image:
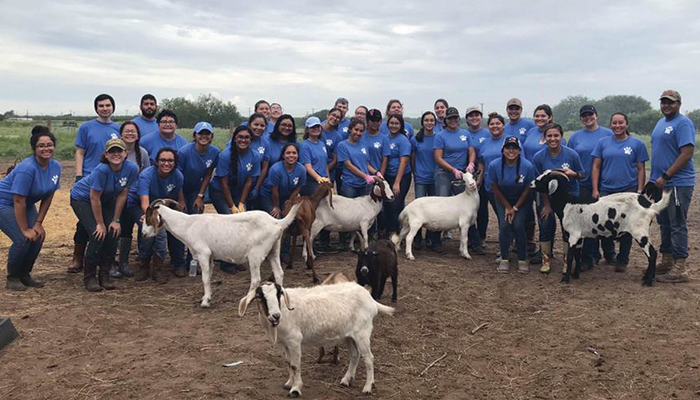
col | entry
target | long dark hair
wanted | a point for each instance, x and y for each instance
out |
(137, 146)
(233, 174)
(37, 132)
(356, 121)
(402, 130)
(547, 110)
(421, 132)
(255, 116)
(284, 148)
(276, 134)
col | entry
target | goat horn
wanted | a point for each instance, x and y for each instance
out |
(286, 300)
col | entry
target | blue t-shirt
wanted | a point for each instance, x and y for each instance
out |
(384, 129)
(358, 155)
(285, 181)
(315, 154)
(513, 181)
(194, 165)
(273, 150)
(30, 180)
(438, 126)
(519, 129)
(105, 180)
(584, 142)
(343, 128)
(424, 173)
(666, 141)
(618, 166)
(146, 127)
(258, 145)
(155, 187)
(248, 165)
(399, 146)
(534, 142)
(92, 137)
(490, 150)
(568, 158)
(153, 143)
(455, 147)
(378, 147)
(477, 138)
(331, 140)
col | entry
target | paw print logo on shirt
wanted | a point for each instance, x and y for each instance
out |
(345, 129)
(481, 139)
(325, 150)
(628, 150)
(521, 179)
(123, 181)
(522, 131)
(208, 163)
(463, 138)
(248, 167)
(54, 179)
(261, 150)
(329, 142)
(377, 145)
(114, 135)
(565, 165)
(170, 187)
(392, 146)
(668, 130)
(363, 151)
(296, 181)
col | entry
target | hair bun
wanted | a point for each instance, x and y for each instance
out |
(39, 129)
(492, 114)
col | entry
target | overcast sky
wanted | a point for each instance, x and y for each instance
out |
(56, 56)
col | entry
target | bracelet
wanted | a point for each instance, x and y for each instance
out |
(117, 220)
(516, 209)
(665, 176)
(200, 195)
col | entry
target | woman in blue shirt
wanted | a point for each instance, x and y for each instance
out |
(357, 171)
(489, 151)
(510, 177)
(424, 166)
(554, 156)
(331, 136)
(618, 167)
(395, 107)
(161, 181)
(377, 145)
(477, 135)
(283, 133)
(314, 157)
(34, 179)
(440, 106)
(398, 171)
(98, 201)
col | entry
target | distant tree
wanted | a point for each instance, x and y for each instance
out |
(695, 117)
(620, 103)
(205, 108)
(7, 114)
(566, 112)
(643, 123)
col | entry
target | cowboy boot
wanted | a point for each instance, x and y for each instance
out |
(144, 270)
(78, 258)
(105, 279)
(159, 274)
(89, 278)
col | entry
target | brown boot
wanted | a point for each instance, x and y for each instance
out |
(76, 265)
(665, 265)
(159, 274)
(90, 280)
(144, 270)
(677, 274)
(105, 279)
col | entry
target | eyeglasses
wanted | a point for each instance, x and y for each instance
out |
(290, 126)
(243, 138)
(45, 146)
(513, 108)
(130, 131)
(171, 122)
(166, 160)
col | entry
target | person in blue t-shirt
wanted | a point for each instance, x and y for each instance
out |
(196, 161)
(34, 179)
(283, 133)
(477, 136)
(161, 181)
(424, 166)
(258, 144)
(89, 145)
(672, 148)
(394, 107)
(331, 137)
(263, 108)
(584, 141)
(275, 112)
(398, 171)
(165, 137)
(440, 107)
(489, 151)
(618, 167)
(98, 201)
(517, 126)
(377, 145)
(147, 120)
(343, 125)
(361, 114)
(357, 171)
(314, 157)
(510, 176)
(555, 156)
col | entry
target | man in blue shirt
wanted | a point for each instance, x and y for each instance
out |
(165, 137)
(672, 147)
(516, 125)
(147, 120)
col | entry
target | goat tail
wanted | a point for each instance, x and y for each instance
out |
(663, 203)
(287, 220)
(386, 310)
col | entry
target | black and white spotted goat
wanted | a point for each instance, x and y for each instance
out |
(612, 216)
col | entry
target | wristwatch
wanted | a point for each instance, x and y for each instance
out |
(665, 176)
(200, 195)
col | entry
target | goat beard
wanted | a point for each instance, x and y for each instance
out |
(269, 329)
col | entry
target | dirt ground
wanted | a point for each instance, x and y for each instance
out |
(149, 341)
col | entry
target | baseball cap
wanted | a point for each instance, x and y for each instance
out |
(514, 102)
(671, 95)
(587, 109)
(511, 140)
(374, 115)
(312, 121)
(473, 109)
(201, 126)
(115, 143)
(452, 112)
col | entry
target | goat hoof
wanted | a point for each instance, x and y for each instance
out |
(205, 304)
(346, 382)
(366, 391)
(411, 257)
(294, 393)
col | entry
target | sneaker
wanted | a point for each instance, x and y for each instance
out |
(523, 268)
(180, 272)
(479, 251)
(126, 271)
(620, 267)
(536, 259)
(503, 267)
(114, 272)
(447, 235)
(15, 284)
(677, 274)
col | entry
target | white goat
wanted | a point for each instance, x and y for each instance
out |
(440, 214)
(251, 237)
(318, 316)
(351, 215)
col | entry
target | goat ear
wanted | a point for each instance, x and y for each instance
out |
(287, 302)
(245, 301)
(552, 187)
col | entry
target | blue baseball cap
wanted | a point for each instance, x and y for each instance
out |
(312, 121)
(203, 126)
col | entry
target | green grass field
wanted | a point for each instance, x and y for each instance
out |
(14, 139)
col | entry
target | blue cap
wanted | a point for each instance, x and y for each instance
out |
(312, 121)
(202, 126)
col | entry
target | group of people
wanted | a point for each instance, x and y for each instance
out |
(121, 169)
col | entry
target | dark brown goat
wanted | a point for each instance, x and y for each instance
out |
(304, 219)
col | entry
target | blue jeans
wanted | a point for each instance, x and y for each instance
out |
(548, 226)
(477, 233)
(23, 253)
(98, 252)
(623, 257)
(672, 221)
(424, 190)
(590, 254)
(353, 192)
(517, 229)
(392, 209)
